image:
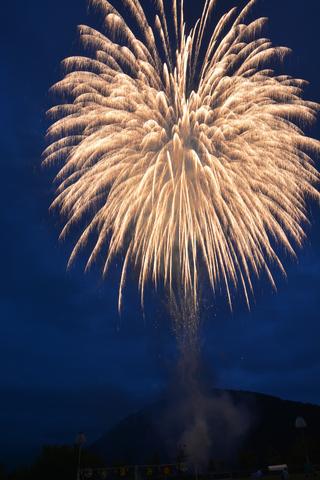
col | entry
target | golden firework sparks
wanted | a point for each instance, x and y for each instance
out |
(175, 158)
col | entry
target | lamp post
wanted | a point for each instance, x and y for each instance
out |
(301, 425)
(80, 441)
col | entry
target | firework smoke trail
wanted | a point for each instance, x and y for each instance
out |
(174, 157)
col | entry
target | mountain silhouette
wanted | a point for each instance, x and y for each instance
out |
(244, 429)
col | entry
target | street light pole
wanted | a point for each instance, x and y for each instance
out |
(80, 440)
(301, 425)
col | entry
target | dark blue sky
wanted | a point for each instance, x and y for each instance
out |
(67, 361)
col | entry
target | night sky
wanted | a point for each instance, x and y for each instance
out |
(68, 362)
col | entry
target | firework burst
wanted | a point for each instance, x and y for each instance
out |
(177, 151)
